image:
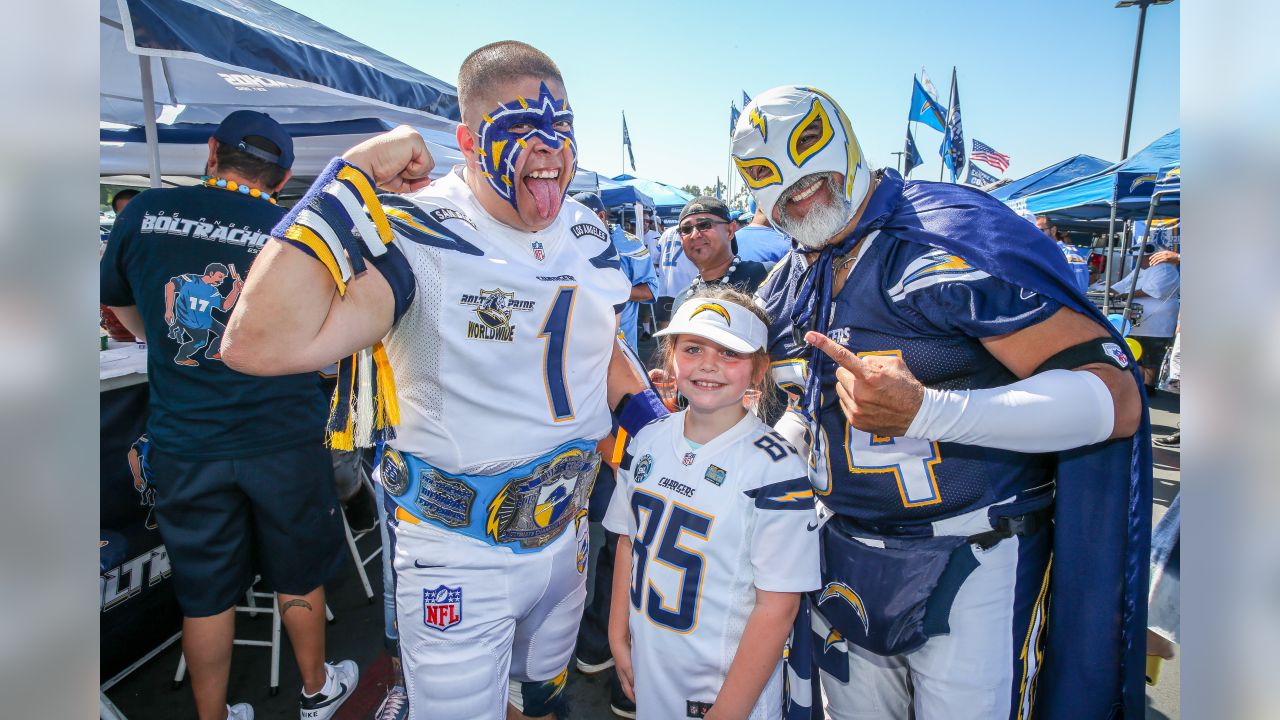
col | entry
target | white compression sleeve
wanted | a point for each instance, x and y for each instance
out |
(1047, 412)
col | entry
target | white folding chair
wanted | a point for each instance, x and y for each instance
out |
(252, 608)
(362, 561)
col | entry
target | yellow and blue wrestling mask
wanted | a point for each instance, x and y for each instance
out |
(504, 135)
(788, 141)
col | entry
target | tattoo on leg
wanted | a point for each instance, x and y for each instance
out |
(294, 603)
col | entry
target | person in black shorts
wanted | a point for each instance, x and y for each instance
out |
(243, 484)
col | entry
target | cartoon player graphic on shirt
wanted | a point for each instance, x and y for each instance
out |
(189, 301)
(140, 468)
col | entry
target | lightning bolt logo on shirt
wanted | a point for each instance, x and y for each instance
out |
(932, 268)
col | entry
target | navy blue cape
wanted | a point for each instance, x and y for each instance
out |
(1095, 654)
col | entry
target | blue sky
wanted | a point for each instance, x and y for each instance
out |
(1039, 81)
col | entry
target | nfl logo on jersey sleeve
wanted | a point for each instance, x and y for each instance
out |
(1120, 356)
(442, 607)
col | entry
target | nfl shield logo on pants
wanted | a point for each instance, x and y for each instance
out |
(442, 607)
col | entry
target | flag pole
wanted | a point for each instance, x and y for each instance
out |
(946, 133)
(899, 154)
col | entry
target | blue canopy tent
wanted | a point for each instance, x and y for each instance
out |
(624, 195)
(1127, 185)
(668, 200)
(1059, 173)
(1165, 202)
(1166, 197)
(198, 60)
(182, 149)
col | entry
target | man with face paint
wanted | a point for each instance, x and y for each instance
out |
(490, 304)
(968, 415)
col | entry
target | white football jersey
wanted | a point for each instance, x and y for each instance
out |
(708, 527)
(675, 269)
(503, 352)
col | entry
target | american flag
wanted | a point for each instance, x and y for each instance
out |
(983, 152)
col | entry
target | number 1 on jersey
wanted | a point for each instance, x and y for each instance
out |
(555, 330)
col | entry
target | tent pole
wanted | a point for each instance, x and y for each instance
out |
(943, 169)
(1151, 212)
(1124, 143)
(149, 118)
(1106, 273)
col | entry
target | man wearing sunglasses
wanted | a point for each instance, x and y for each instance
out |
(706, 233)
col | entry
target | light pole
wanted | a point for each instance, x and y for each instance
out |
(1128, 123)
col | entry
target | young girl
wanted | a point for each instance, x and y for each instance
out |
(716, 516)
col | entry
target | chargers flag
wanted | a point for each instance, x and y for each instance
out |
(746, 99)
(911, 154)
(928, 84)
(952, 149)
(1095, 654)
(626, 140)
(925, 108)
(733, 117)
(983, 152)
(977, 177)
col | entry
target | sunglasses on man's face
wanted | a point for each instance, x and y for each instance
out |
(702, 225)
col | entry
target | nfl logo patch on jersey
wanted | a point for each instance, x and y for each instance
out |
(715, 475)
(442, 607)
(1120, 356)
(688, 458)
(539, 251)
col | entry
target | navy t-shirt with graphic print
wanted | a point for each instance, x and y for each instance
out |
(174, 254)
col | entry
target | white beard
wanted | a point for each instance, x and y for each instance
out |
(821, 222)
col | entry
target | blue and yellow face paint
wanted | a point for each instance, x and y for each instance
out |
(505, 133)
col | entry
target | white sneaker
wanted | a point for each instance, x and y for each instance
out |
(341, 682)
(240, 711)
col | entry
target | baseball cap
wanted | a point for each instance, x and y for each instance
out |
(725, 323)
(706, 204)
(591, 200)
(246, 123)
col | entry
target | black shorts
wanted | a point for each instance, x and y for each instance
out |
(225, 521)
(1153, 350)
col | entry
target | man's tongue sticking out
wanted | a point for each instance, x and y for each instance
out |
(547, 195)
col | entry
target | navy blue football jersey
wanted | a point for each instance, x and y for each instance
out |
(931, 308)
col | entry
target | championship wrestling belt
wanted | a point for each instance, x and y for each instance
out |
(523, 509)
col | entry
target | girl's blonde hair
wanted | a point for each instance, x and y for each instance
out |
(760, 380)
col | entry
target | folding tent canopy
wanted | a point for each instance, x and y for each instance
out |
(198, 60)
(183, 148)
(1127, 184)
(623, 195)
(667, 199)
(1165, 199)
(663, 194)
(1059, 173)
